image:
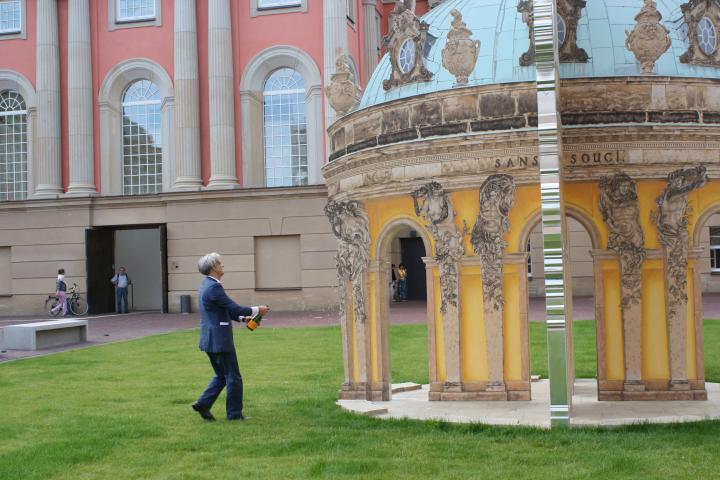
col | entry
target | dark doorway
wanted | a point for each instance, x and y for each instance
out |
(142, 250)
(99, 248)
(411, 251)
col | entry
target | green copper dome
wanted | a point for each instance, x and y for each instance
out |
(504, 38)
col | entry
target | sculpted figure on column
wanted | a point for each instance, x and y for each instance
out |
(432, 203)
(671, 219)
(619, 209)
(350, 225)
(497, 196)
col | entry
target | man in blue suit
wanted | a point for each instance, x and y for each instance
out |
(216, 339)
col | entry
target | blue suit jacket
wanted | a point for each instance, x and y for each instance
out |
(216, 311)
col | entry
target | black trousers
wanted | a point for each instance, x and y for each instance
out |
(227, 375)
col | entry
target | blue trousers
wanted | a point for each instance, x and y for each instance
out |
(227, 374)
(121, 294)
(402, 289)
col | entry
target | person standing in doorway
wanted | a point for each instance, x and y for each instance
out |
(60, 292)
(402, 282)
(216, 339)
(121, 282)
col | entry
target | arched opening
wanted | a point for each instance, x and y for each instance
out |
(13, 146)
(583, 241)
(704, 260)
(404, 316)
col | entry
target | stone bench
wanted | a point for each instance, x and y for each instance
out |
(37, 335)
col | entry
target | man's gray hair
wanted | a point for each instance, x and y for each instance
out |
(206, 263)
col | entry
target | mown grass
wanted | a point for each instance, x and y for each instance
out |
(121, 411)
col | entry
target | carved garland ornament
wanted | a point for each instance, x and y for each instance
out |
(569, 12)
(432, 203)
(497, 196)
(460, 53)
(350, 225)
(619, 209)
(702, 18)
(671, 218)
(649, 39)
(406, 43)
(342, 92)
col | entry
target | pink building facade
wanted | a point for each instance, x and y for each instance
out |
(194, 125)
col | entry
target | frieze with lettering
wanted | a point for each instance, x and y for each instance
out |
(608, 157)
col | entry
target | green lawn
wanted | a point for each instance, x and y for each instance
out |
(121, 411)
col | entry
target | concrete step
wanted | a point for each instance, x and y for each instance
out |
(363, 407)
(405, 387)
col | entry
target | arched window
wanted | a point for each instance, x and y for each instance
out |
(285, 129)
(141, 139)
(13, 146)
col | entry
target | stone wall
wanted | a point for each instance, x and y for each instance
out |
(46, 235)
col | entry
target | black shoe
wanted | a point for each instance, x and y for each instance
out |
(204, 412)
(241, 417)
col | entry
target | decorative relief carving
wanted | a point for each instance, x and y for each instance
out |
(671, 218)
(619, 209)
(349, 223)
(460, 53)
(406, 44)
(433, 204)
(342, 92)
(569, 11)
(649, 39)
(497, 196)
(702, 18)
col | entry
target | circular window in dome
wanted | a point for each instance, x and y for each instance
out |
(406, 60)
(561, 30)
(707, 36)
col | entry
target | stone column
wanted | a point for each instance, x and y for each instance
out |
(187, 101)
(372, 41)
(334, 43)
(80, 100)
(222, 98)
(48, 161)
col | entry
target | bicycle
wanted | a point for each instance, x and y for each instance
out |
(75, 303)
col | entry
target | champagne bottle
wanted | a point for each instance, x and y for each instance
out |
(254, 322)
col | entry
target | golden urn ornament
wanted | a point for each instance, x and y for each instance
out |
(342, 92)
(650, 39)
(460, 53)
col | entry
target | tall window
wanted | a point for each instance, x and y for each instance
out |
(715, 249)
(133, 10)
(10, 16)
(285, 129)
(13, 146)
(142, 139)
(351, 10)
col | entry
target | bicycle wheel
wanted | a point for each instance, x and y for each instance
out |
(78, 306)
(50, 306)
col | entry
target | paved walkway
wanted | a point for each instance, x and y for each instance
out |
(587, 410)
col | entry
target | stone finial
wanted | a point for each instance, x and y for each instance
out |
(342, 92)
(649, 39)
(460, 53)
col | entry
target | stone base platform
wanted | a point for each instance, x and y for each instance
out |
(587, 410)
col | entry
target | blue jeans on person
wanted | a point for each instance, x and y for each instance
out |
(121, 295)
(402, 289)
(227, 374)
